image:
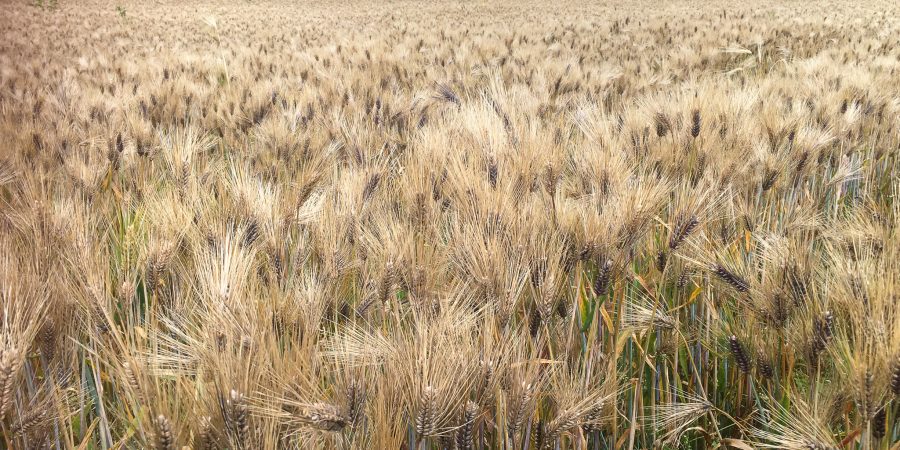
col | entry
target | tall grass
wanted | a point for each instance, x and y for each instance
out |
(455, 226)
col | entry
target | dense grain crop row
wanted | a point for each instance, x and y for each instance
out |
(260, 225)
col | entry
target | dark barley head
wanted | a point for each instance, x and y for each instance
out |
(695, 123)
(732, 279)
(741, 358)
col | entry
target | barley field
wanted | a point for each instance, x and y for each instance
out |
(449, 225)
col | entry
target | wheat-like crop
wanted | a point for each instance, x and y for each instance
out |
(432, 225)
